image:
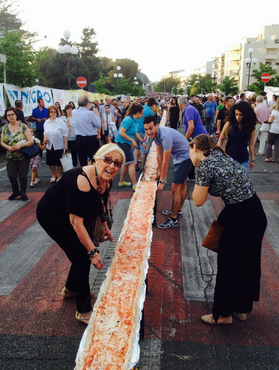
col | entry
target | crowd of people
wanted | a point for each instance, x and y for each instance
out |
(216, 150)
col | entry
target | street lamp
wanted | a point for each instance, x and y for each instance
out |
(118, 76)
(136, 80)
(249, 61)
(68, 50)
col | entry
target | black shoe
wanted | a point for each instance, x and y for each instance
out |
(13, 196)
(24, 198)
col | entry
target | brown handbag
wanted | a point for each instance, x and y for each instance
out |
(213, 237)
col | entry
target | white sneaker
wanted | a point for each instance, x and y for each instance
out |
(32, 184)
(36, 181)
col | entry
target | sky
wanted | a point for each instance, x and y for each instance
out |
(161, 36)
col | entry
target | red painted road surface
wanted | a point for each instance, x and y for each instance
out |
(35, 307)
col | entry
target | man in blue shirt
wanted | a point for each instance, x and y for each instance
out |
(210, 107)
(147, 111)
(39, 115)
(193, 125)
(87, 126)
(170, 142)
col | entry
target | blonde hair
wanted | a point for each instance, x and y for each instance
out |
(276, 106)
(107, 148)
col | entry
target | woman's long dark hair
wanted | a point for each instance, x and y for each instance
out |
(206, 144)
(134, 109)
(176, 102)
(249, 119)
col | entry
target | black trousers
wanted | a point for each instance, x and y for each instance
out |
(86, 146)
(58, 227)
(40, 136)
(73, 150)
(239, 257)
(20, 169)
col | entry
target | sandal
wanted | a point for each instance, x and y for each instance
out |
(83, 317)
(208, 319)
(240, 316)
(268, 160)
(53, 179)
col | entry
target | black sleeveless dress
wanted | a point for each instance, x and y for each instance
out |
(53, 212)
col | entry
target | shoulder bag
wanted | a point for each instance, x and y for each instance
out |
(213, 237)
(29, 151)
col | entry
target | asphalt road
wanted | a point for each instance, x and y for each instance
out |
(38, 329)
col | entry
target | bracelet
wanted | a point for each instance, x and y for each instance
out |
(92, 253)
(252, 160)
(105, 227)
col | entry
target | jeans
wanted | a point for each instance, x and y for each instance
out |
(209, 124)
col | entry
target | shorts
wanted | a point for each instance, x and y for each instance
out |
(140, 146)
(128, 151)
(181, 171)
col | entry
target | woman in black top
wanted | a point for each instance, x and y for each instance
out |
(241, 127)
(244, 222)
(66, 212)
(173, 113)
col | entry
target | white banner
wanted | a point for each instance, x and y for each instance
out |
(28, 96)
(2, 102)
(270, 90)
(64, 97)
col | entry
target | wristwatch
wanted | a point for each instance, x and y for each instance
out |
(161, 181)
(93, 253)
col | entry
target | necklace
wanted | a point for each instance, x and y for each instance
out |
(108, 217)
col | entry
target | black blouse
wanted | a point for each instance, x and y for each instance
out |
(65, 197)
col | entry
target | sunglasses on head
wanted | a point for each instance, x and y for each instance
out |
(108, 160)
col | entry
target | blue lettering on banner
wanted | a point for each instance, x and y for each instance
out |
(39, 95)
(13, 94)
(47, 97)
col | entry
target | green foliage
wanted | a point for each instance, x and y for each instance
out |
(166, 84)
(258, 86)
(21, 69)
(228, 86)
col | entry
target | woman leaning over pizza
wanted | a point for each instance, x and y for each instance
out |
(244, 222)
(67, 212)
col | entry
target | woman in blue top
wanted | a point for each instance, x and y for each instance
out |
(241, 127)
(125, 138)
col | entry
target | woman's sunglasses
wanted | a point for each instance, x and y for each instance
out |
(108, 160)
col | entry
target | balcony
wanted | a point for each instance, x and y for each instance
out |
(271, 56)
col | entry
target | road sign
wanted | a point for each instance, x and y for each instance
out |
(265, 77)
(81, 82)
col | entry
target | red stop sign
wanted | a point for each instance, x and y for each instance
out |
(81, 82)
(265, 77)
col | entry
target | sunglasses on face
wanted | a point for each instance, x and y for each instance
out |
(108, 160)
(10, 115)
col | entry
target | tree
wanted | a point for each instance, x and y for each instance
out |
(166, 84)
(228, 86)
(258, 86)
(21, 69)
(129, 69)
(52, 71)
(88, 48)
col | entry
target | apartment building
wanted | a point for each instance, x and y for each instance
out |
(265, 49)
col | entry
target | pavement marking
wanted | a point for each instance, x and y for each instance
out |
(2, 169)
(199, 265)
(272, 232)
(107, 248)
(9, 207)
(21, 256)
